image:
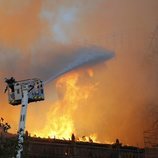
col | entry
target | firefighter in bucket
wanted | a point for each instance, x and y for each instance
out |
(10, 84)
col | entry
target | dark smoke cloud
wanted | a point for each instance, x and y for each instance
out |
(9, 59)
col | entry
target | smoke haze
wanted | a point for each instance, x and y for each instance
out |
(40, 38)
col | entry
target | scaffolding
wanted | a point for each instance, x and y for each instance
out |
(151, 142)
(151, 136)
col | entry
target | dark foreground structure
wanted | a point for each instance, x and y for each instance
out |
(54, 148)
(151, 141)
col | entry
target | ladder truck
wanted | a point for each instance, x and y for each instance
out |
(23, 92)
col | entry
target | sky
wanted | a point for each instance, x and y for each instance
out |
(39, 38)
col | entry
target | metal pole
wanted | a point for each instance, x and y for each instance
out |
(22, 122)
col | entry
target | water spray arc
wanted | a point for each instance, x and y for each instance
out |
(23, 92)
(85, 56)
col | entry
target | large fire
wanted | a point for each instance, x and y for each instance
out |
(71, 95)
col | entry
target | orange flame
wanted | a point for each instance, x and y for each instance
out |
(60, 122)
(90, 72)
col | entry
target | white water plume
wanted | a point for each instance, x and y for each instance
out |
(85, 56)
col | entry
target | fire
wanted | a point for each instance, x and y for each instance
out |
(90, 72)
(60, 123)
(91, 138)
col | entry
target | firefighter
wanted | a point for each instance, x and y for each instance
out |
(10, 83)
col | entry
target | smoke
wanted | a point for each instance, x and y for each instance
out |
(37, 40)
(11, 59)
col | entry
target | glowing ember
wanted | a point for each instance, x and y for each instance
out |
(91, 138)
(90, 72)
